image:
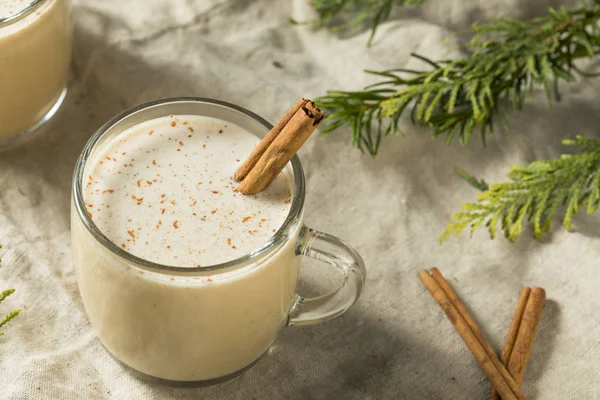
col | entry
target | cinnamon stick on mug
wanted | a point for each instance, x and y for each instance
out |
(278, 147)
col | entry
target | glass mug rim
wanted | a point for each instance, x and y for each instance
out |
(21, 15)
(280, 237)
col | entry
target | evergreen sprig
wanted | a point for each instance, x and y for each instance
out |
(377, 11)
(11, 314)
(509, 58)
(535, 193)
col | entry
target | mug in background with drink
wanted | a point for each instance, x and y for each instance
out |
(35, 53)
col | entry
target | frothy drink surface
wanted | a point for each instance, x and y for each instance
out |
(163, 190)
(8, 8)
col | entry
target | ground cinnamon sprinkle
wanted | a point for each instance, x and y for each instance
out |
(184, 201)
(139, 200)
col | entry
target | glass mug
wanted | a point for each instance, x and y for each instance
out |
(35, 53)
(204, 324)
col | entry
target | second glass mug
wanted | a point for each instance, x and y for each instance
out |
(190, 325)
(35, 53)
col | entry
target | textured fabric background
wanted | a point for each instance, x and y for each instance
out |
(395, 343)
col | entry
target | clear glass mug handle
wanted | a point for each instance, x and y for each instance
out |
(335, 252)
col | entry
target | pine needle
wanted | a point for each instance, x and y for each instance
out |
(348, 14)
(478, 184)
(535, 193)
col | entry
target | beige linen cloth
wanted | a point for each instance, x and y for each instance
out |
(395, 343)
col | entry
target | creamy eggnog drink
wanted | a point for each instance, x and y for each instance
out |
(182, 277)
(163, 191)
(35, 51)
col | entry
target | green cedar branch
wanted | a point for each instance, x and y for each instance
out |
(3, 295)
(535, 193)
(11, 314)
(509, 59)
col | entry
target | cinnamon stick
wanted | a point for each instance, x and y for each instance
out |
(437, 275)
(281, 148)
(490, 363)
(529, 324)
(511, 336)
(260, 149)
